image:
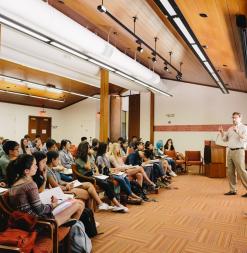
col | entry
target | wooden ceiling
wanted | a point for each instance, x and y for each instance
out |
(25, 73)
(218, 32)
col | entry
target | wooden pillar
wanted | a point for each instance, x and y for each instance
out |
(104, 105)
(134, 115)
(152, 117)
(115, 117)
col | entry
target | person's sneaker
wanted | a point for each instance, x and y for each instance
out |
(119, 209)
(231, 193)
(173, 174)
(104, 207)
(126, 209)
(244, 195)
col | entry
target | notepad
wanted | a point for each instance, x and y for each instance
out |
(103, 177)
(120, 173)
(76, 183)
(58, 209)
(67, 171)
(57, 192)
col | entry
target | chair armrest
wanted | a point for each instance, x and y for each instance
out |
(9, 249)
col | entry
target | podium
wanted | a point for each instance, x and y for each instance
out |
(215, 160)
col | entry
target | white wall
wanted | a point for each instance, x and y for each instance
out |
(195, 105)
(72, 122)
(14, 120)
(80, 120)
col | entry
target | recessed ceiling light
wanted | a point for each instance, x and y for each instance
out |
(203, 15)
(205, 46)
(224, 65)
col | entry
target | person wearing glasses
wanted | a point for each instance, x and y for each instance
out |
(236, 136)
(11, 152)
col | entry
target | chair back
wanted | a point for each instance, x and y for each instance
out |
(171, 153)
(193, 155)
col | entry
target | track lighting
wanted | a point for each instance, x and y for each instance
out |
(154, 59)
(166, 68)
(140, 49)
(102, 8)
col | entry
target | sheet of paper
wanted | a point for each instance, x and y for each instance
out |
(76, 183)
(103, 177)
(61, 207)
(67, 171)
(46, 195)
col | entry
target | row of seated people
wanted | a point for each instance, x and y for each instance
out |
(27, 175)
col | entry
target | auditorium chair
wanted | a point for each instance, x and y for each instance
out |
(194, 158)
(173, 155)
(44, 243)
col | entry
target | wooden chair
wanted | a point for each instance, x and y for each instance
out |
(43, 243)
(173, 155)
(194, 158)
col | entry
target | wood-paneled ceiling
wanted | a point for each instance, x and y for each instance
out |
(218, 32)
(32, 75)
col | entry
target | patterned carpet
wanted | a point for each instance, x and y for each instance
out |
(195, 218)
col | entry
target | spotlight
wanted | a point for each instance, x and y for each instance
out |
(140, 49)
(101, 8)
(154, 59)
(166, 67)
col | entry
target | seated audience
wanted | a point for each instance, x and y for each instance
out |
(11, 152)
(65, 156)
(1, 146)
(123, 146)
(134, 173)
(84, 192)
(24, 195)
(24, 149)
(169, 146)
(86, 167)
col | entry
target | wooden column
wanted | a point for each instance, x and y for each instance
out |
(104, 105)
(152, 117)
(134, 116)
(115, 117)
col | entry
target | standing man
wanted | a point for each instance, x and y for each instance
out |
(236, 137)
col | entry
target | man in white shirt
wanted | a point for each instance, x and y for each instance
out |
(236, 136)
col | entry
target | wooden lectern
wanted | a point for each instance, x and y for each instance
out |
(216, 167)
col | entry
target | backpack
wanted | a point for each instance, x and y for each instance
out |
(18, 238)
(79, 241)
(87, 219)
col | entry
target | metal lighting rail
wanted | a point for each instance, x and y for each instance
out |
(42, 87)
(19, 27)
(176, 18)
(103, 9)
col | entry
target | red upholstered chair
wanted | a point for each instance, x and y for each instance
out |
(194, 158)
(173, 155)
(44, 243)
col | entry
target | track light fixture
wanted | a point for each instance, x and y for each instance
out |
(139, 49)
(166, 67)
(154, 59)
(101, 7)
(138, 41)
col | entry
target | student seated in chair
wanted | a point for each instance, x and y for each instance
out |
(84, 192)
(24, 194)
(85, 163)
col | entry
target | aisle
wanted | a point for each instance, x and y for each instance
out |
(195, 218)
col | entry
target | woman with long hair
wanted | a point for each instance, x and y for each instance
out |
(169, 146)
(65, 156)
(84, 192)
(24, 149)
(24, 194)
(86, 167)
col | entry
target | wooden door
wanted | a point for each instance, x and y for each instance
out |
(39, 126)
